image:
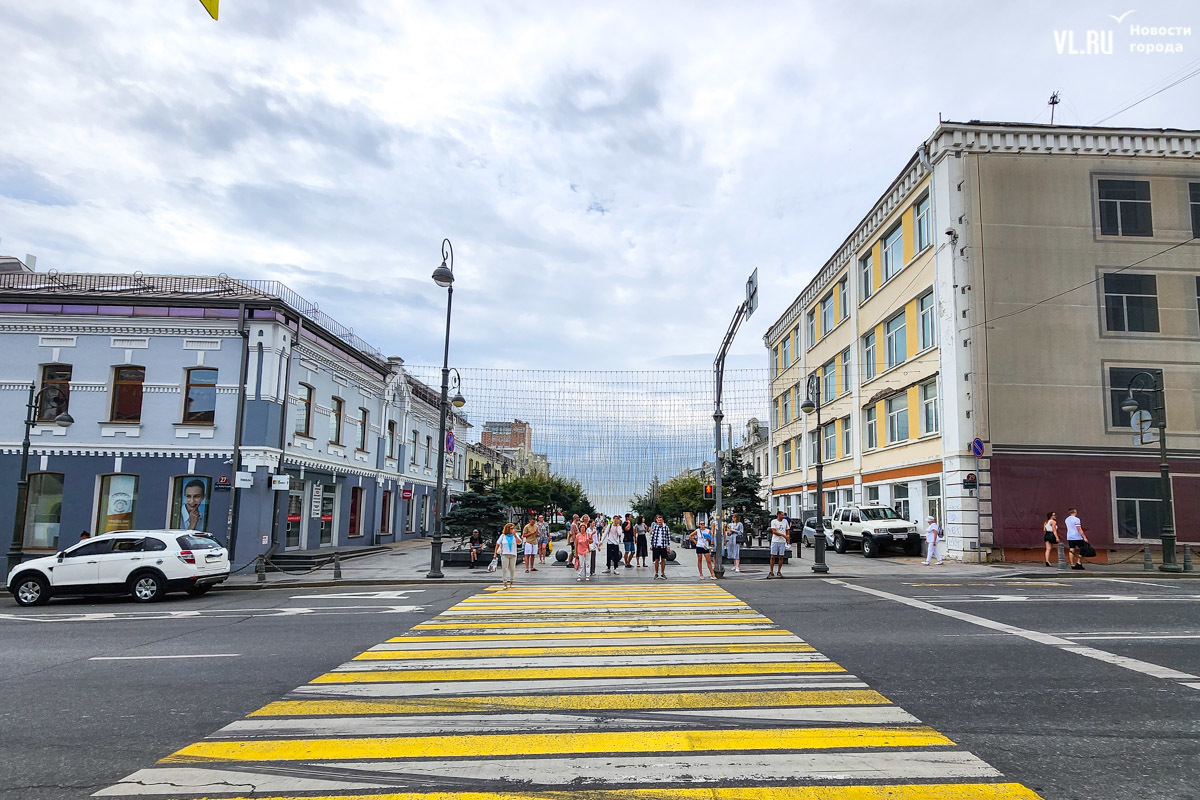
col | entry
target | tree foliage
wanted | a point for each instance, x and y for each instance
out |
(680, 494)
(479, 507)
(740, 487)
(545, 494)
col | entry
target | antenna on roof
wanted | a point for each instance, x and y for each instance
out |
(1053, 101)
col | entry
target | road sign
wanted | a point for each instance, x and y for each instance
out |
(977, 447)
(449, 441)
(210, 6)
(406, 494)
(752, 293)
(971, 481)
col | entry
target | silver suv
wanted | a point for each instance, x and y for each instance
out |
(873, 527)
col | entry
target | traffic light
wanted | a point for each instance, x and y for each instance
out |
(708, 491)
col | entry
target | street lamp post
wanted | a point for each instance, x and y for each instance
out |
(813, 403)
(1159, 409)
(63, 420)
(443, 276)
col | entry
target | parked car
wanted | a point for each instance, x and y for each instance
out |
(809, 534)
(872, 528)
(144, 564)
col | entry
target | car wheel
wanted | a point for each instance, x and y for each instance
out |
(31, 589)
(146, 587)
(870, 547)
(839, 544)
(197, 591)
(809, 542)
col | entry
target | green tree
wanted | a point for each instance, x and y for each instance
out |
(681, 494)
(479, 507)
(545, 494)
(740, 487)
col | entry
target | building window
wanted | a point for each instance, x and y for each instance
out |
(385, 513)
(304, 398)
(869, 364)
(929, 407)
(787, 352)
(1194, 196)
(921, 224)
(57, 378)
(336, 409)
(928, 321)
(775, 360)
(1139, 507)
(787, 406)
(872, 493)
(827, 314)
(828, 382)
(127, 394)
(356, 516)
(814, 444)
(897, 347)
(428, 449)
(847, 376)
(410, 519)
(812, 328)
(847, 444)
(364, 428)
(897, 418)
(866, 276)
(829, 437)
(900, 499)
(787, 457)
(778, 459)
(391, 438)
(893, 253)
(200, 400)
(1125, 208)
(1118, 391)
(795, 345)
(118, 497)
(843, 293)
(1131, 302)
(830, 502)
(870, 433)
(424, 521)
(43, 511)
(933, 498)
(775, 417)
(415, 439)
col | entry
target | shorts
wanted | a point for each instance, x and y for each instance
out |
(662, 553)
(700, 551)
(628, 547)
(1050, 537)
(530, 549)
(779, 548)
(1075, 544)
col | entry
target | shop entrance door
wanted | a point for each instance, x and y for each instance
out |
(296, 518)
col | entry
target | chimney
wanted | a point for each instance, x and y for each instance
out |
(31, 261)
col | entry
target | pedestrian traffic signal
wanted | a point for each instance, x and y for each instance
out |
(708, 491)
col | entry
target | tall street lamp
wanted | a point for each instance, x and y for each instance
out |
(1159, 413)
(443, 276)
(63, 420)
(813, 403)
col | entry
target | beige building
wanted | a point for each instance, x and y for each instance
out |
(1007, 286)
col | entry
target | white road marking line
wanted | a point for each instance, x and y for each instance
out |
(417, 724)
(1192, 685)
(521, 686)
(155, 658)
(1127, 580)
(1132, 637)
(687, 768)
(1144, 667)
(1088, 598)
(391, 594)
(212, 613)
(467, 643)
(480, 662)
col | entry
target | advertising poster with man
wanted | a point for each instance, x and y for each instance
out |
(189, 507)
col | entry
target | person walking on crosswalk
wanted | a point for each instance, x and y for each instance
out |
(660, 546)
(507, 547)
(702, 537)
(584, 552)
(612, 542)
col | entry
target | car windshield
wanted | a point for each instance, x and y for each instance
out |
(878, 513)
(190, 542)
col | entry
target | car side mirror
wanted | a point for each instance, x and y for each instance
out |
(61, 555)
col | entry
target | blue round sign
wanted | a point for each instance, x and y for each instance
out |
(977, 447)
(449, 441)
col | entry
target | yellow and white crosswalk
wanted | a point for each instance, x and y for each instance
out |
(654, 692)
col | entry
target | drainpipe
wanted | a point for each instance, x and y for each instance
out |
(235, 502)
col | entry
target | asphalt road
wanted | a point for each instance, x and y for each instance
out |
(1074, 688)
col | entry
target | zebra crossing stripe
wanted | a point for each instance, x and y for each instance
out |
(379, 661)
(550, 673)
(417, 639)
(594, 650)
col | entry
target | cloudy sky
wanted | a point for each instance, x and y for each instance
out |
(609, 173)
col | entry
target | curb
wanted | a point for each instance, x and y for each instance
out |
(1070, 573)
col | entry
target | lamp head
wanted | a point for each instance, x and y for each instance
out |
(808, 406)
(1129, 405)
(443, 276)
(64, 420)
(458, 401)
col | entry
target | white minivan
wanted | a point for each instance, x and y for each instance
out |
(144, 564)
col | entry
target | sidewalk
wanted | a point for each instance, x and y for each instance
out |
(408, 563)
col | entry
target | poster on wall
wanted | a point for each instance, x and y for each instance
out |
(118, 493)
(189, 504)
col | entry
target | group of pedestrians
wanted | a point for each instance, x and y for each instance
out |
(626, 543)
(1077, 541)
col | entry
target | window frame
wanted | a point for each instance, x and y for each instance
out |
(355, 516)
(191, 417)
(896, 340)
(847, 373)
(847, 437)
(337, 412)
(928, 403)
(786, 450)
(385, 513)
(1120, 205)
(829, 441)
(428, 450)
(843, 296)
(927, 334)
(814, 446)
(49, 408)
(829, 381)
(812, 327)
(1118, 420)
(870, 428)
(1118, 498)
(33, 500)
(117, 384)
(892, 250)
(866, 277)
(102, 502)
(304, 401)
(391, 438)
(1108, 296)
(922, 235)
(870, 355)
(363, 433)
(1194, 206)
(826, 306)
(894, 418)
(785, 360)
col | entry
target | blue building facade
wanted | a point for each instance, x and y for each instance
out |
(168, 377)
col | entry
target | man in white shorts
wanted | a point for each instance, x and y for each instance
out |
(530, 534)
(780, 539)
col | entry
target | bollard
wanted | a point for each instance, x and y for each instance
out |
(1062, 555)
(337, 567)
(260, 569)
(1147, 560)
(1187, 558)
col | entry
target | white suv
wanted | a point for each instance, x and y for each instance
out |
(873, 527)
(145, 564)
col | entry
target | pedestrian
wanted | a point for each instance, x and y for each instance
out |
(612, 542)
(639, 531)
(1050, 533)
(581, 546)
(628, 540)
(507, 547)
(733, 543)
(530, 536)
(703, 539)
(543, 538)
(931, 538)
(1075, 539)
(660, 544)
(476, 546)
(780, 544)
(593, 529)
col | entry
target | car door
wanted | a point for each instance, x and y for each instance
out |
(80, 566)
(116, 565)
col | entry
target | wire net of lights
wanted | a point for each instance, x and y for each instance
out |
(614, 432)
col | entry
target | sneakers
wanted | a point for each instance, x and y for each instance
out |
(1077, 566)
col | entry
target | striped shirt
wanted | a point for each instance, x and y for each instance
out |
(660, 535)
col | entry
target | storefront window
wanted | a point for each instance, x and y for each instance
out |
(118, 496)
(189, 504)
(43, 512)
(900, 499)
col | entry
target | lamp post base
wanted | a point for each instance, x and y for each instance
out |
(1170, 563)
(1170, 568)
(822, 568)
(435, 560)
